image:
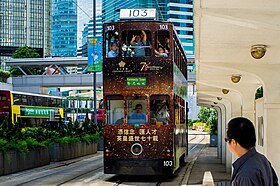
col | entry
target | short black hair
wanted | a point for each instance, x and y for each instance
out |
(113, 44)
(138, 105)
(242, 130)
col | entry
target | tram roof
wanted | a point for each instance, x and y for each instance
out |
(138, 20)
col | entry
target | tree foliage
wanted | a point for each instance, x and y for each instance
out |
(209, 116)
(26, 52)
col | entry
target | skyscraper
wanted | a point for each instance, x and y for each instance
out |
(88, 33)
(25, 23)
(111, 9)
(85, 14)
(179, 12)
(64, 27)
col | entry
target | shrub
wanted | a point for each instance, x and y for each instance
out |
(4, 74)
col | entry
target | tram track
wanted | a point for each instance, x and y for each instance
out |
(192, 157)
(72, 172)
(51, 172)
(81, 175)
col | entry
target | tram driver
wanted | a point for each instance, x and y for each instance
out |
(137, 117)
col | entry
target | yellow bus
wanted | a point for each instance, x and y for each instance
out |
(29, 109)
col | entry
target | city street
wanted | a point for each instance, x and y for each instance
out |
(89, 171)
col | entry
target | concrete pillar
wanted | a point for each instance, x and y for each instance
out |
(272, 133)
(219, 127)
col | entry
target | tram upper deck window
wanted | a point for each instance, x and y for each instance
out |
(159, 107)
(114, 110)
(162, 48)
(136, 43)
(112, 44)
(136, 110)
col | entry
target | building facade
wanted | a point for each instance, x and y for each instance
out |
(64, 28)
(88, 33)
(24, 22)
(179, 12)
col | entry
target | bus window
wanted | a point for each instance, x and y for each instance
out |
(136, 43)
(159, 107)
(112, 44)
(17, 99)
(162, 48)
(3, 97)
(136, 110)
(114, 110)
(24, 100)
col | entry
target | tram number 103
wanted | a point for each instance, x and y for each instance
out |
(138, 13)
(163, 27)
(167, 163)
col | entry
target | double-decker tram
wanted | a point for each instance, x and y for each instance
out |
(145, 92)
(29, 109)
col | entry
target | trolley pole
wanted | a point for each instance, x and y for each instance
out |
(94, 73)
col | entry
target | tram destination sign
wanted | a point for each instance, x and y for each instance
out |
(148, 13)
(135, 81)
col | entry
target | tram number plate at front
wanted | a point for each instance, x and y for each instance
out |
(167, 163)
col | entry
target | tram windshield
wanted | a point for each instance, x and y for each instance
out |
(159, 107)
(136, 110)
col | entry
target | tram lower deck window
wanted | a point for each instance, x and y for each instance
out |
(159, 107)
(114, 110)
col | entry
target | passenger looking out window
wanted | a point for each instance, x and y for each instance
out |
(160, 109)
(114, 51)
(162, 44)
(161, 52)
(112, 44)
(136, 43)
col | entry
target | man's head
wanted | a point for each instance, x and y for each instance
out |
(138, 37)
(160, 49)
(114, 47)
(138, 108)
(242, 131)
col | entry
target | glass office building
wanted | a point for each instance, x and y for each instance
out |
(179, 12)
(25, 23)
(64, 28)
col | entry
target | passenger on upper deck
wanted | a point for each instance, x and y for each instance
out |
(161, 52)
(139, 41)
(166, 45)
(114, 51)
(138, 117)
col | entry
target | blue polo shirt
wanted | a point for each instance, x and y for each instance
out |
(253, 169)
(137, 118)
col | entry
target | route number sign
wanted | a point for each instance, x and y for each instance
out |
(149, 13)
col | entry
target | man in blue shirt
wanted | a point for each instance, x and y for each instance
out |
(251, 168)
(139, 42)
(114, 51)
(137, 117)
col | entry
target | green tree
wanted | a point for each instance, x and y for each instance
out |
(26, 52)
(209, 116)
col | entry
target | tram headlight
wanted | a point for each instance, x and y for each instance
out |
(136, 149)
